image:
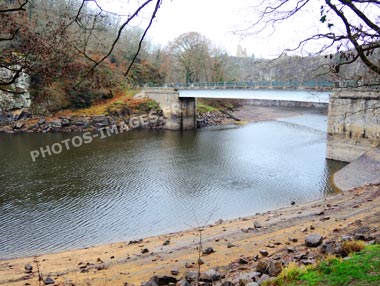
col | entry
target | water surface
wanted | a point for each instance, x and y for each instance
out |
(147, 182)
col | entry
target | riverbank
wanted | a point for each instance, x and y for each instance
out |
(25, 122)
(234, 249)
(247, 114)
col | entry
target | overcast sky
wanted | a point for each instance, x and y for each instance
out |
(217, 19)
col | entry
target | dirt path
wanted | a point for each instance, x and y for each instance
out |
(119, 263)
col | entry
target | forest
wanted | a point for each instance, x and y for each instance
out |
(77, 54)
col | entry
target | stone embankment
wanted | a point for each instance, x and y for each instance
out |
(23, 121)
(213, 118)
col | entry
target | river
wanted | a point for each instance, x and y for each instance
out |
(146, 182)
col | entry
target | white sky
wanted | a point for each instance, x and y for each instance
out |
(216, 19)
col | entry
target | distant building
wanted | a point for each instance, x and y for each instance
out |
(241, 53)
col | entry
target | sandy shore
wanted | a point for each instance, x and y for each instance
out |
(121, 263)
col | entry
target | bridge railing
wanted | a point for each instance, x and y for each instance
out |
(262, 84)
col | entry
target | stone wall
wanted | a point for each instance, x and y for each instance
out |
(354, 123)
(180, 113)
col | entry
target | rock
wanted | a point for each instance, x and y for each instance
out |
(291, 239)
(174, 271)
(56, 124)
(300, 256)
(18, 125)
(28, 268)
(243, 260)
(219, 222)
(275, 267)
(183, 283)
(191, 276)
(263, 266)
(257, 225)
(99, 119)
(149, 283)
(100, 266)
(309, 261)
(145, 250)
(230, 245)
(360, 236)
(263, 278)
(363, 229)
(246, 278)
(188, 265)
(210, 276)
(208, 251)
(65, 122)
(313, 240)
(41, 121)
(290, 249)
(227, 283)
(163, 280)
(166, 242)
(346, 238)
(48, 281)
(292, 203)
(264, 252)
(332, 248)
(252, 284)
(135, 241)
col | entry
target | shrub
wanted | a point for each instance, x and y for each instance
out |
(352, 246)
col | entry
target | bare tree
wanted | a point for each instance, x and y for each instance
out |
(350, 30)
(73, 34)
(191, 54)
(218, 64)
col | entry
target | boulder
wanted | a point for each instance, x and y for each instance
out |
(163, 280)
(211, 276)
(314, 240)
(28, 268)
(263, 266)
(275, 267)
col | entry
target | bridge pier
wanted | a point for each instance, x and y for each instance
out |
(180, 113)
(353, 123)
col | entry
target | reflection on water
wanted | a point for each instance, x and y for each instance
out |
(148, 182)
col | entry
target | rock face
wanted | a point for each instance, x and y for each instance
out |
(20, 99)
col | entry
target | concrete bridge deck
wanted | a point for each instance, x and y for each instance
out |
(263, 84)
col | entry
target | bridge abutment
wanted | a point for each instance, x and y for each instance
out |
(354, 123)
(180, 113)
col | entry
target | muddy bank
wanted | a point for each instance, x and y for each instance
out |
(248, 249)
(246, 114)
